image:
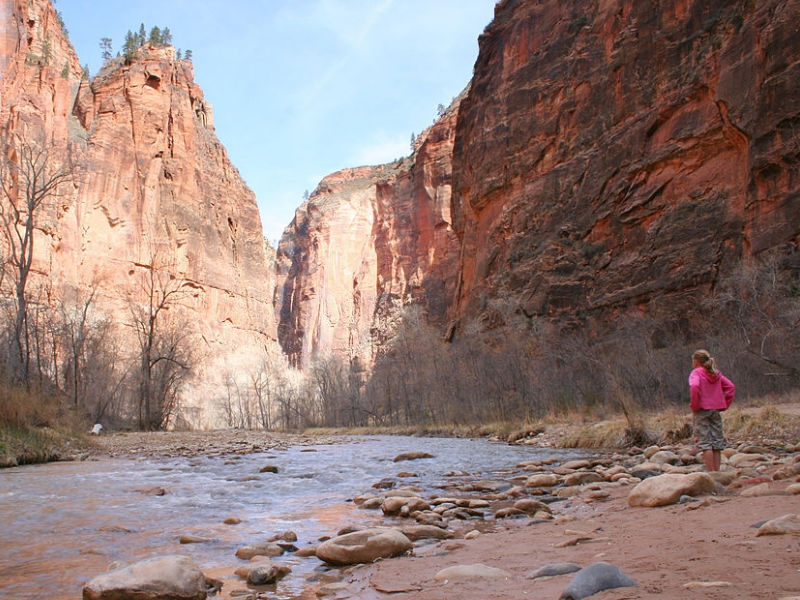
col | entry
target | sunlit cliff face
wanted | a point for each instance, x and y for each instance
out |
(156, 189)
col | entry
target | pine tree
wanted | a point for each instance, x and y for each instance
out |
(155, 36)
(141, 37)
(130, 46)
(105, 46)
(188, 55)
(166, 37)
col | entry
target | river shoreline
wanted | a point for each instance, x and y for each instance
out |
(710, 540)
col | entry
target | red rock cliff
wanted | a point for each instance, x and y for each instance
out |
(620, 154)
(157, 184)
(368, 242)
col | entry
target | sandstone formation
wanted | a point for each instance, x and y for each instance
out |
(156, 191)
(619, 155)
(368, 242)
(606, 158)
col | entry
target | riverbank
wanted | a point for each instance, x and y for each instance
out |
(492, 516)
(701, 544)
(776, 420)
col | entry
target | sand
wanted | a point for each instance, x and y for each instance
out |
(663, 549)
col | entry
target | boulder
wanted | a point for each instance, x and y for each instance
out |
(364, 546)
(161, 578)
(667, 489)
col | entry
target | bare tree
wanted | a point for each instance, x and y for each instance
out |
(164, 354)
(31, 174)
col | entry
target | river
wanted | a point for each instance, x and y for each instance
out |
(63, 523)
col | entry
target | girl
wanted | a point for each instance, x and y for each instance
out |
(711, 393)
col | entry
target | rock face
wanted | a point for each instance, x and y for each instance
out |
(607, 157)
(617, 155)
(368, 242)
(157, 191)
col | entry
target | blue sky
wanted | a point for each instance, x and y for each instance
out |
(303, 88)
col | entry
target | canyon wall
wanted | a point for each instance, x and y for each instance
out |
(609, 157)
(155, 192)
(368, 242)
(623, 155)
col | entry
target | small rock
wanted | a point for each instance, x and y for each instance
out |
(786, 524)
(664, 457)
(286, 536)
(193, 539)
(232, 521)
(541, 480)
(667, 489)
(476, 571)
(596, 578)
(268, 469)
(531, 506)
(472, 534)
(419, 532)
(576, 464)
(364, 546)
(412, 456)
(553, 569)
(259, 549)
(706, 584)
(582, 478)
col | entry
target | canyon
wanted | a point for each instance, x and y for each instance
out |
(608, 159)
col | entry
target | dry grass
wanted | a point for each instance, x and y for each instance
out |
(20, 408)
(35, 427)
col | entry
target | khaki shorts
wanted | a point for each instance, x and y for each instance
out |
(708, 430)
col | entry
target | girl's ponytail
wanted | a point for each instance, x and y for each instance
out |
(706, 361)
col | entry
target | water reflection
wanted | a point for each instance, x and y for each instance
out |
(63, 523)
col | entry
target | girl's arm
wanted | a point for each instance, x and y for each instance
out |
(728, 390)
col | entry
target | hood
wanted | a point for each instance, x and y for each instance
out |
(708, 376)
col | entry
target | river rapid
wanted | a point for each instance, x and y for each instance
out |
(62, 524)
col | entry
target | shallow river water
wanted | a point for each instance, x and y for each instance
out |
(63, 523)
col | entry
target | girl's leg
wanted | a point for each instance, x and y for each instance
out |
(717, 459)
(708, 459)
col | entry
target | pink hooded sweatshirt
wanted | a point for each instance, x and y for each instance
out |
(710, 392)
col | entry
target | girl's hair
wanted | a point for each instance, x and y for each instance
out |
(706, 361)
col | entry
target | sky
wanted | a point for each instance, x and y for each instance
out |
(303, 88)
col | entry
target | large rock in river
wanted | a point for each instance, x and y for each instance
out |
(161, 578)
(364, 546)
(667, 489)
